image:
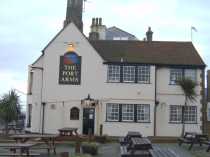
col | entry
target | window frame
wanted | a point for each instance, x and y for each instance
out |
(115, 74)
(179, 107)
(74, 115)
(135, 75)
(107, 109)
(131, 75)
(181, 121)
(190, 115)
(183, 75)
(148, 114)
(125, 113)
(146, 74)
(120, 114)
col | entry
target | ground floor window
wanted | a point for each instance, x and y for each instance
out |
(128, 112)
(74, 113)
(112, 112)
(143, 113)
(190, 114)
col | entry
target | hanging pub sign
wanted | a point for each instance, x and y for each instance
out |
(70, 67)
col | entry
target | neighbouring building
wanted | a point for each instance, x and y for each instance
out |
(207, 121)
(111, 87)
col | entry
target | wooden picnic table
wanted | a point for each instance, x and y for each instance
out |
(68, 131)
(22, 147)
(137, 147)
(140, 144)
(48, 139)
(125, 140)
(193, 138)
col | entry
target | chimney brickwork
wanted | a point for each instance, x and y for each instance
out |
(74, 13)
(98, 30)
(149, 34)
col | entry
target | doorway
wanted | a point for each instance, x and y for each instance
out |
(88, 120)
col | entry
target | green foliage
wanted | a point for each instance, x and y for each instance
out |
(9, 107)
(90, 148)
(188, 87)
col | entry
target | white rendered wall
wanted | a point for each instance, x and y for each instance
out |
(94, 82)
(172, 95)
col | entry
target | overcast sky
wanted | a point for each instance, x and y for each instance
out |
(26, 26)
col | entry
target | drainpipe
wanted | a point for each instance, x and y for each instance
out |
(156, 103)
(43, 116)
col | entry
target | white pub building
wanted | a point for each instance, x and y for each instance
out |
(112, 86)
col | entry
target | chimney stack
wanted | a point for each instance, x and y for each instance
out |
(149, 34)
(98, 30)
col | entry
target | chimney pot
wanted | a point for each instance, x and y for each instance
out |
(96, 21)
(93, 21)
(149, 34)
(100, 21)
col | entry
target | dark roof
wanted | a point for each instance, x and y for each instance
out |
(155, 52)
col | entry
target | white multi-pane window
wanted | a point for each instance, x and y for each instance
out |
(127, 112)
(113, 73)
(175, 75)
(175, 114)
(190, 74)
(143, 74)
(190, 114)
(112, 112)
(143, 113)
(128, 73)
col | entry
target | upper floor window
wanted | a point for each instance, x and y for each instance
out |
(112, 112)
(190, 74)
(175, 75)
(178, 74)
(114, 73)
(74, 113)
(128, 73)
(143, 74)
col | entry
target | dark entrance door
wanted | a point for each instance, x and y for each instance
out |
(88, 120)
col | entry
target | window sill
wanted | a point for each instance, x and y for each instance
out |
(182, 123)
(129, 83)
(128, 122)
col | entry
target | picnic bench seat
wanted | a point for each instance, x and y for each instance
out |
(138, 153)
(162, 153)
(18, 154)
(208, 144)
(193, 138)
